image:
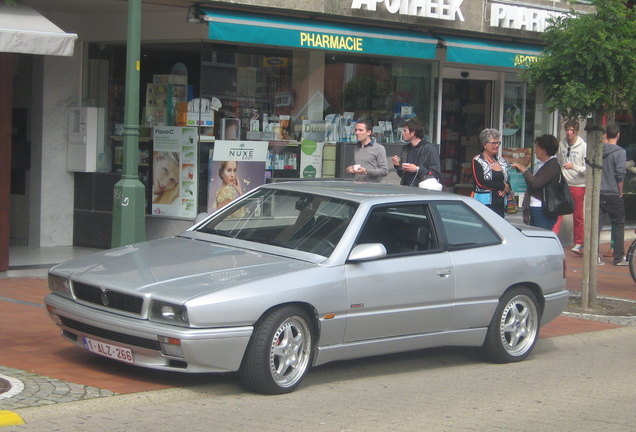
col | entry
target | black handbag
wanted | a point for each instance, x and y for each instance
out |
(557, 199)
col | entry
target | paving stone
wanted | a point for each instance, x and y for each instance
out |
(39, 390)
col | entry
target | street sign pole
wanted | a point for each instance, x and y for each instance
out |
(129, 225)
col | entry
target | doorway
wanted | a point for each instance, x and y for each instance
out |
(21, 139)
(20, 165)
(467, 109)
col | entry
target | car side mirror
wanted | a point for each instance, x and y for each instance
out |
(367, 252)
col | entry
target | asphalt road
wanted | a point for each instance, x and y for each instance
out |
(583, 382)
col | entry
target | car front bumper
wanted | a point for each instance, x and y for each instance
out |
(204, 350)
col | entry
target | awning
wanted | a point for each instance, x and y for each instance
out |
(23, 30)
(244, 27)
(489, 53)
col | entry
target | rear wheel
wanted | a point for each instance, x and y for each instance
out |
(631, 257)
(514, 328)
(279, 353)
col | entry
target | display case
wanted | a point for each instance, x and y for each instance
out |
(283, 159)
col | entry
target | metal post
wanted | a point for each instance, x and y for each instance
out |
(129, 225)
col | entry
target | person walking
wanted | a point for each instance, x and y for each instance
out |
(490, 172)
(419, 158)
(571, 157)
(611, 201)
(370, 162)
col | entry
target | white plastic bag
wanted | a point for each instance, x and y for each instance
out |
(431, 184)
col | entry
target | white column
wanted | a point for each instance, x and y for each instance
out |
(56, 83)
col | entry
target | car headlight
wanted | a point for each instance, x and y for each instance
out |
(169, 313)
(59, 285)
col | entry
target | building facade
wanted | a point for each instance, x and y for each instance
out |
(275, 71)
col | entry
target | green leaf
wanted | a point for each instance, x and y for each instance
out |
(589, 63)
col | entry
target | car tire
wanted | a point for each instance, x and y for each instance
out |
(514, 328)
(279, 352)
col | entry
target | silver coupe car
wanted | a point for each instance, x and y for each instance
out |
(298, 274)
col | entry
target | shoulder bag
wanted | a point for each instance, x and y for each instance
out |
(557, 200)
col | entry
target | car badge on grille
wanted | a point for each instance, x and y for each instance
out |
(104, 299)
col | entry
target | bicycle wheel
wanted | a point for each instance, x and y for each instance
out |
(631, 259)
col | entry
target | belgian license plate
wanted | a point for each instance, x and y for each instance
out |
(108, 350)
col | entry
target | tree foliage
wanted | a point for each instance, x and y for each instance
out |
(589, 63)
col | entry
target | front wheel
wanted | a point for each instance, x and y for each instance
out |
(279, 353)
(631, 257)
(514, 328)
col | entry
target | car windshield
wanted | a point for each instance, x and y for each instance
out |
(293, 220)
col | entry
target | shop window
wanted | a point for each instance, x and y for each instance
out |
(628, 141)
(266, 94)
(523, 119)
(388, 93)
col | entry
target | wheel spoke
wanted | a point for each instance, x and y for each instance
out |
(515, 327)
(286, 352)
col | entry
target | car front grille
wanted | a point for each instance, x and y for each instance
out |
(110, 335)
(106, 298)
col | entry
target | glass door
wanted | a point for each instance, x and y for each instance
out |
(466, 111)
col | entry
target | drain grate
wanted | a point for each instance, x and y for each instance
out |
(9, 387)
(5, 385)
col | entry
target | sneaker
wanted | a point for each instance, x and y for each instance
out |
(600, 262)
(609, 253)
(577, 248)
(621, 263)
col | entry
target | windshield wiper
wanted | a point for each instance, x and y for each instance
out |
(266, 241)
(216, 232)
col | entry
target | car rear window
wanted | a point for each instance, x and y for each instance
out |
(463, 227)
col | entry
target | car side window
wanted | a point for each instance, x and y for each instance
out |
(463, 228)
(401, 229)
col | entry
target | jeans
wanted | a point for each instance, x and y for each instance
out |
(613, 206)
(539, 219)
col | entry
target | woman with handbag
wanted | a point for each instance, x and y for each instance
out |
(546, 173)
(490, 172)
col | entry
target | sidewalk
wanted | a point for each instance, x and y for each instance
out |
(51, 370)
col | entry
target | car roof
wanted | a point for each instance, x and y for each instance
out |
(359, 192)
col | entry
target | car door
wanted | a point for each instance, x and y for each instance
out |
(479, 255)
(411, 290)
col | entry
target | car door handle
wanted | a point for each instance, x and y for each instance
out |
(444, 273)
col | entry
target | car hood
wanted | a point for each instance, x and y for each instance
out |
(176, 268)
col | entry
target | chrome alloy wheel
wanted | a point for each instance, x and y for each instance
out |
(290, 351)
(519, 325)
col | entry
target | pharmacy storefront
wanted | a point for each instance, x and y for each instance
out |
(287, 89)
(271, 93)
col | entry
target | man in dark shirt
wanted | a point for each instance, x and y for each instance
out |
(611, 201)
(419, 159)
